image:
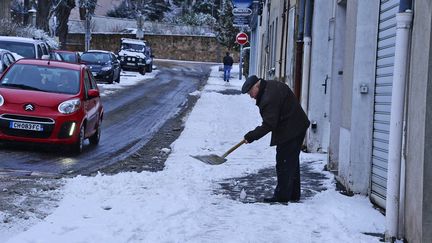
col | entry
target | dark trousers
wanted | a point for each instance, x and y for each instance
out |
(288, 169)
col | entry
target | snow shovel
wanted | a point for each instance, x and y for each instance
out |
(214, 159)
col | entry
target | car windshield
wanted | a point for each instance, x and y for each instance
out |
(68, 57)
(42, 78)
(23, 49)
(132, 47)
(95, 57)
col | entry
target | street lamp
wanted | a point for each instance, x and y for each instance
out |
(32, 13)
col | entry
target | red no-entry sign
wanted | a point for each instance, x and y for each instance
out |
(242, 38)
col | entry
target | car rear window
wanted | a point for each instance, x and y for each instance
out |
(23, 49)
(42, 78)
(68, 57)
(95, 57)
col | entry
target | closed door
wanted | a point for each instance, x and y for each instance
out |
(382, 99)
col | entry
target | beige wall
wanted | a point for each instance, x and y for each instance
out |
(191, 48)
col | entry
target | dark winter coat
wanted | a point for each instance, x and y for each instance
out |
(228, 60)
(281, 113)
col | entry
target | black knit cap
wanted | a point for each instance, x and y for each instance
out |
(250, 81)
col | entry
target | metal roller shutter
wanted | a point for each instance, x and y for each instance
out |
(382, 98)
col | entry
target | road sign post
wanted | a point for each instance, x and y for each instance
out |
(241, 62)
(241, 39)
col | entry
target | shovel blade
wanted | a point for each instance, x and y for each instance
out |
(211, 159)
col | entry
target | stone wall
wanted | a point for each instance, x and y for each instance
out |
(176, 47)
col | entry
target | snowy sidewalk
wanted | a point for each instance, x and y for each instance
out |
(190, 201)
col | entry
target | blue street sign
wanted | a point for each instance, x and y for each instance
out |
(242, 3)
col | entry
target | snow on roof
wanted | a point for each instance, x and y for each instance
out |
(104, 51)
(133, 41)
(20, 39)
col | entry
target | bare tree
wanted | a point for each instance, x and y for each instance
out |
(43, 9)
(63, 11)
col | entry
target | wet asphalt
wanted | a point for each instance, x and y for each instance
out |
(132, 117)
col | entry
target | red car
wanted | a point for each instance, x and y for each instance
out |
(47, 101)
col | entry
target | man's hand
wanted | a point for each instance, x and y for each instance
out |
(248, 137)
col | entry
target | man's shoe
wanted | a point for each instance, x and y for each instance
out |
(274, 200)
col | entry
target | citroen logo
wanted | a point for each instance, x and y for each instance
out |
(29, 107)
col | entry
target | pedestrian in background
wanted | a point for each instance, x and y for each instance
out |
(283, 116)
(227, 62)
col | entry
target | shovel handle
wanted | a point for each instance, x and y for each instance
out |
(233, 148)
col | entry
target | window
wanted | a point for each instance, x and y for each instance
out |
(87, 82)
(11, 58)
(93, 82)
(44, 49)
(23, 49)
(39, 52)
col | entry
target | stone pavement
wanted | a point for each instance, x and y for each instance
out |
(261, 184)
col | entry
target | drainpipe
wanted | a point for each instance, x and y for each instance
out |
(403, 27)
(306, 56)
(299, 49)
(282, 62)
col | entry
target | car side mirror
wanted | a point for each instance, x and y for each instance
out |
(93, 93)
(45, 57)
(152, 56)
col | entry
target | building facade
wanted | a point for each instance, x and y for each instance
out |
(361, 70)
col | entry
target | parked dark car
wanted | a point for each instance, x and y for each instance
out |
(68, 56)
(104, 65)
(46, 101)
(6, 59)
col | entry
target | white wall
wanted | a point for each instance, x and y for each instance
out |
(320, 72)
(336, 84)
(363, 104)
(357, 108)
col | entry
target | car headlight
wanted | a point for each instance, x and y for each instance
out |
(107, 68)
(69, 106)
(1, 100)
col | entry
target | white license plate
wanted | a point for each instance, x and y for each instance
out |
(94, 73)
(130, 64)
(26, 126)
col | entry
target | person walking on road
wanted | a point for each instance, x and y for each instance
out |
(283, 116)
(227, 62)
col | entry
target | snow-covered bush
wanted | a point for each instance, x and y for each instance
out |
(10, 28)
(7, 27)
(196, 19)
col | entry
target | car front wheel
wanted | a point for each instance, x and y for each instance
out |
(149, 68)
(142, 71)
(78, 145)
(95, 138)
(118, 78)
